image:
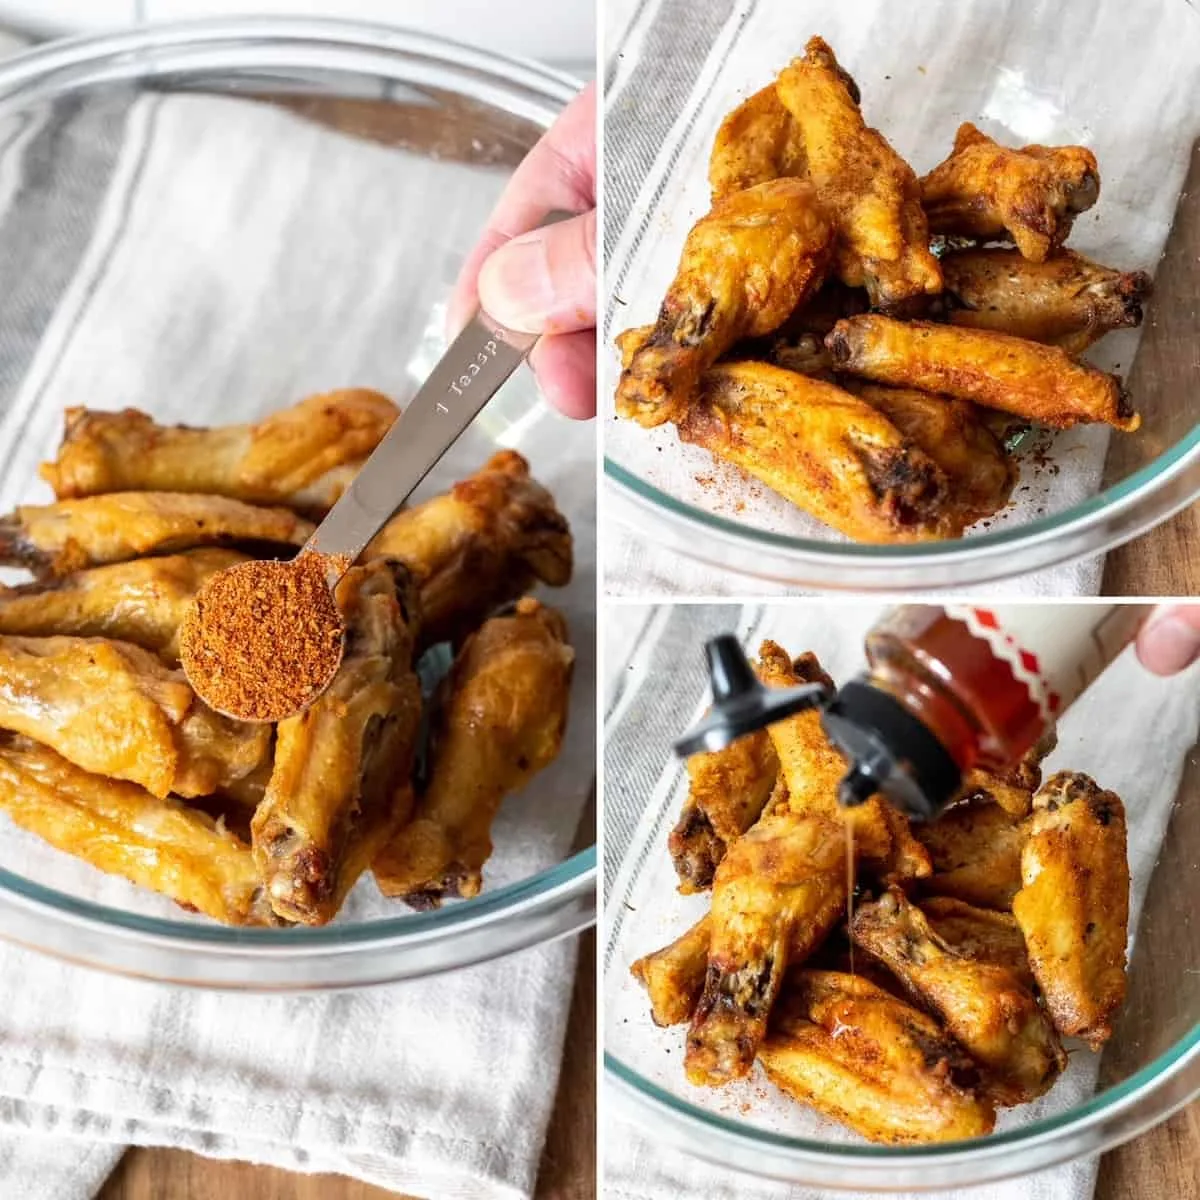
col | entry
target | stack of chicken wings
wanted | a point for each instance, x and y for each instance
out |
(813, 338)
(105, 751)
(909, 988)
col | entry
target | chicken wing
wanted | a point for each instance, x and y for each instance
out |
(982, 1005)
(1067, 301)
(303, 456)
(1032, 195)
(341, 783)
(813, 767)
(501, 719)
(976, 853)
(779, 890)
(727, 791)
(114, 709)
(758, 141)
(1012, 789)
(674, 976)
(122, 829)
(1074, 906)
(1029, 380)
(479, 546)
(980, 474)
(55, 539)
(826, 451)
(746, 265)
(142, 602)
(860, 1056)
(980, 934)
(871, 193)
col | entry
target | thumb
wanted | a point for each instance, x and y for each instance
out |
(1170, 640)
(544, 281)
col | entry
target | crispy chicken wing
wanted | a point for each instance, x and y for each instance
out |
(779, 890)
(1029, 380)
(501, 719)
(341, 783)
(871, 193)
(122, 829)
(976, 853)
(1067, 301)
(303, 456)
(56, 539)
(1012, 789)
(727, 791)
(982, 1005)
(745, 267)
(674, 976)
(479, 546)
(981, 934)
(980, 474)
(143, 601)
(812, 768)
(826, 451)
(1032, 195)
(758, 141)
(1074, 906)
(115, 709)
(859, 1055)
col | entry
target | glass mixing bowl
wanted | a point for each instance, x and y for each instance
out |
(209, 221)
(1027, 76)
(1149, 1068)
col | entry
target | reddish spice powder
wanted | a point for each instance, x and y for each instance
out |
(263, 639)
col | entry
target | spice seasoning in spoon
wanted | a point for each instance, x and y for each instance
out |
(263, 639)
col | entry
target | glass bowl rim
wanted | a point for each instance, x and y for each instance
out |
(575, 876)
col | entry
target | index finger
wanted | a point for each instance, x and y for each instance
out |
(558, 173)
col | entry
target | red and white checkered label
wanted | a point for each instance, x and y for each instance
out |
(1056, 650)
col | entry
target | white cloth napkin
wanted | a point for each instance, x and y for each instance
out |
(1140, 756)
(677, 68)
(210, 259)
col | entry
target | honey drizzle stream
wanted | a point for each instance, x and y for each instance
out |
(848, 826)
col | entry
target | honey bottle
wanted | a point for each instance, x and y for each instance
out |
(947, 689)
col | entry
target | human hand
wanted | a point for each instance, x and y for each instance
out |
(544, 280)
(1169, 642)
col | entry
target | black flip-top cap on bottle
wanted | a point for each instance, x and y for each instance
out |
(741, 704)
(889, 751)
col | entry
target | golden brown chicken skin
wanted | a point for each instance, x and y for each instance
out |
(860, 1056)
(53, 540)
(501, 719)
(870, 192)
(1067, 301)
(143, 602)
(1031, 195)
(674, 976)
(1074, 906)
(982, 1005)
(1013, 788)
(980, 474)
(117, 827)
(976, 853)
(480, 545)
(981, 934)
(779, 890)
(303, 456)
(727, 791)
(758, 141)
(812, 768)
(1032, 381)
(828, 452)
(341, 782)
(745, 267)
(115, 709)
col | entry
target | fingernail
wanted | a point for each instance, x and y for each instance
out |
(516, 286)
(1169, 644)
